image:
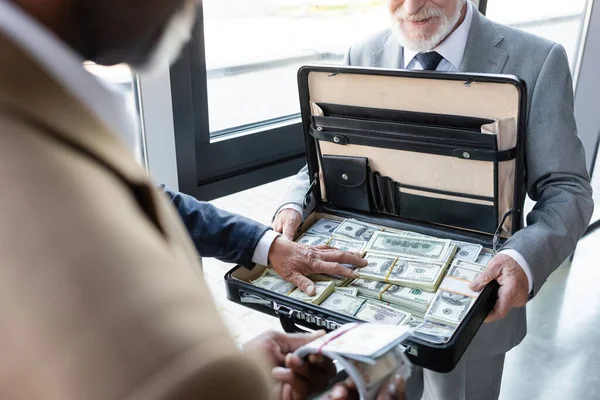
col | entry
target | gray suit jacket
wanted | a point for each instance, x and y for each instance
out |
(555, 161)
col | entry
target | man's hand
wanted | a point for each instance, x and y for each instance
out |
(514, 286)
(287, 222)
(296, 378)
(393, 389)
(293, 261)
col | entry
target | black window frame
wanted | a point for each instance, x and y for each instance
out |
(235, 159)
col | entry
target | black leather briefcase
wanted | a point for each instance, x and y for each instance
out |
(439, 154)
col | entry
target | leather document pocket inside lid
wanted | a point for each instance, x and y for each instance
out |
(346, 181)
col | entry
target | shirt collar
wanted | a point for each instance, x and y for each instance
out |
(453, 48)
(66, 67)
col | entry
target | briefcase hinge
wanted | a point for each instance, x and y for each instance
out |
(496, 240)
(308, 194)
(247, 298)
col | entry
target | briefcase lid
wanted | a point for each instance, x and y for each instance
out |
(452, 143)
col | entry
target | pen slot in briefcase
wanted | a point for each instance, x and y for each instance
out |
(384, 194)
(476, 213)
(347, 181)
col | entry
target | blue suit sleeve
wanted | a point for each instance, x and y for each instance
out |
(216, 233)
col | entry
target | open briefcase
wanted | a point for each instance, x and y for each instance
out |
(438, 154)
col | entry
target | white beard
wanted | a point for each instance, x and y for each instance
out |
(422, 43)
(177, 33)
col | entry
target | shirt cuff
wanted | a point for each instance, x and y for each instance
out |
(261, 253)
(291, 206)
(515, 255)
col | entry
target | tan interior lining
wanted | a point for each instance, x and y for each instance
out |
(431, 96)
(450, 174)
(416, 94)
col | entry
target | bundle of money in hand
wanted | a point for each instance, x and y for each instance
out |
(369, 353)
(411, 279)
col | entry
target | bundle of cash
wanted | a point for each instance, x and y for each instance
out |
(428, 249)
(323, 290)
(343, 303)
(355, 230)
(416, 274)
(465, 270)
(378, 313)
(449, 308)
(369, 353)
(313, 240)
(454, 299)
(434, 333)
(269, 280)
(323, 227)
(347, 290)
(370, 289)
(485, 257)
(337, 281)
(414, 321)
(467, 251)
(413, 299)
(347, 245)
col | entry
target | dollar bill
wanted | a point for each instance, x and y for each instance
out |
(465, 270)
(368, 288)
(338, 281)
(355, 230)
(350, 291)
(467, 251)
(313, 240)
(412, 247)
(484, 257)
(449, 308)
(422, 275)
(378, 267)
(434, 333)
(347, 245)
(323, 227)
(323, 290)
(342, 303)
(413, 299)
(414, 321)
(375, 312)
(273, 282)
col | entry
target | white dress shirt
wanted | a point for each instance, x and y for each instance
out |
(66, 67)
(453, 51)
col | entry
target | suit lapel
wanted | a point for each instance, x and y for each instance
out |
(389, 55)
(482, 53)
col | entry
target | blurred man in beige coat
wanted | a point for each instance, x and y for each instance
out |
(100, 289)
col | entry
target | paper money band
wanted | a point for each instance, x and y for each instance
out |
(387, 277)
(333, 337)
(457, 286)
(383, 291)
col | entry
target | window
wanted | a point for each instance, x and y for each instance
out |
(120, 79)
(559, 21)
(255, 48)
(234, 91)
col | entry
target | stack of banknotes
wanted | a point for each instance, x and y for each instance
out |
(411, 279)
(369, 353)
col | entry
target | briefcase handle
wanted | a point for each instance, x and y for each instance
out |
(286, 319)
